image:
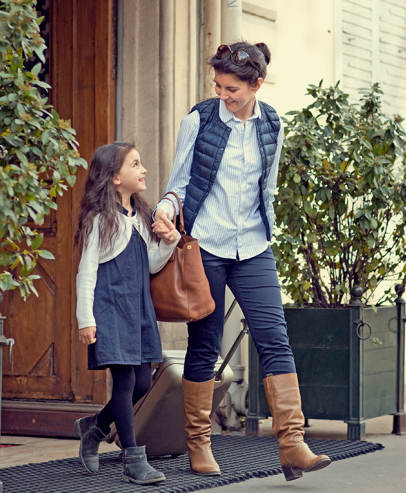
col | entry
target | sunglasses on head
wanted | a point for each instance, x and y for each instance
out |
(238, 57)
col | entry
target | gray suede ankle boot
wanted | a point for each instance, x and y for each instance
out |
(90, 437)
(136, 468)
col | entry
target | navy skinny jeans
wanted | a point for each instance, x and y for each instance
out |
(254, 283)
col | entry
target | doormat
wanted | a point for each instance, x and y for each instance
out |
(240, 458)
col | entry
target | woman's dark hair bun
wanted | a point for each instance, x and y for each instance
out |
(265, 51)
(259, 55)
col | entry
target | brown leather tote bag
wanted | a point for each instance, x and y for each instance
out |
(180, 291)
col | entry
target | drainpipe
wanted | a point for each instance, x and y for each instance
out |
(211, 40)
(119, 80)
(223, 25)
(166, 91)
(231, 31)
(231, 21)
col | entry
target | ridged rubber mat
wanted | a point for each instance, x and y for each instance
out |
(240, 458)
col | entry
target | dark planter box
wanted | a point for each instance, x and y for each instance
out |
(342, 376)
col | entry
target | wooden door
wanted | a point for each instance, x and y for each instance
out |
(48, 384)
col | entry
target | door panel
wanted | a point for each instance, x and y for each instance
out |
(49, 365)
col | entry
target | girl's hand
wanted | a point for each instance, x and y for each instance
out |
(87, 335)
(164, 228)
(161, 215)
(171, 237)
(166, 234)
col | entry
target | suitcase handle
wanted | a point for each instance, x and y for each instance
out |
(230, 310)
(229, 355)
(244, 330)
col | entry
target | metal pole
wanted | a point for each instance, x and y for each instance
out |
(399, 418)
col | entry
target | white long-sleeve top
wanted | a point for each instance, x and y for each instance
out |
(92, 256)
(229, 220)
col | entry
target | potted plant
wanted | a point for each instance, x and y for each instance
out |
(38, 150)
(340, 217)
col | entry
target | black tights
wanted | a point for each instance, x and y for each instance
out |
(130, 383)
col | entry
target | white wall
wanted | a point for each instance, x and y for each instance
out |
(301, 41)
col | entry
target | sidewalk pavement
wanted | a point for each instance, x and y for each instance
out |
(383, 471)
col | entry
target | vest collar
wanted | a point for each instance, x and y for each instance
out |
(226, 115)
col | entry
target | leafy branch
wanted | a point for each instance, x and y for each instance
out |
(340, 211)
(38, 150)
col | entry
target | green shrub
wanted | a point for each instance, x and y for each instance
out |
(340, 211)
(38, 150)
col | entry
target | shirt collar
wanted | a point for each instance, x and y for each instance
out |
(124, 210)
(226, 115)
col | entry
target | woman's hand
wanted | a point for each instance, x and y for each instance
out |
(166, 235)
(87, 335)
(164, 228)
(161, 215)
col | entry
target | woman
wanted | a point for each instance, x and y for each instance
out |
(225, 172)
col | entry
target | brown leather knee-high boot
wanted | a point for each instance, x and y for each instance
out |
(282, 393)
(198, 400)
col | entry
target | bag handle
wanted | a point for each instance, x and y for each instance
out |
(174, 209)
(181, 219)
(172, 257)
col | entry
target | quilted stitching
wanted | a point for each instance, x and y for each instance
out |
(210, 144)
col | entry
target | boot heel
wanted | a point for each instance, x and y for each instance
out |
(77, 428)
(292, 472)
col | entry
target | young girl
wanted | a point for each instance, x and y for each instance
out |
(225, 172)
(114, 307)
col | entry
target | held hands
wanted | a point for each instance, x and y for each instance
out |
(87, 335)
(164, 228)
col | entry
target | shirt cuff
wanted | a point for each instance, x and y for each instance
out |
(166, 207)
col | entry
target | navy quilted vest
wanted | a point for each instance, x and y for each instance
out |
(210, 144)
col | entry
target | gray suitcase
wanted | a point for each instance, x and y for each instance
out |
(159, 418)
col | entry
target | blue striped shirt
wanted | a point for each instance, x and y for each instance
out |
(229, 221)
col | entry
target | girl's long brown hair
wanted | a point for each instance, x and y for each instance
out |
(101, 197)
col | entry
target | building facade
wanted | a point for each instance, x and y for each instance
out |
(131, 70)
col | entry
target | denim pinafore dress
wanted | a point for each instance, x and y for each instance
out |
(126, 328)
